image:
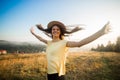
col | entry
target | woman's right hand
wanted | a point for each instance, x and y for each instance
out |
(37, 36)
(32, 30)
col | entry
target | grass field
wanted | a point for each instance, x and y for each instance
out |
(79, 66)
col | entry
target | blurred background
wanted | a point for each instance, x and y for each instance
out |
(18, 16)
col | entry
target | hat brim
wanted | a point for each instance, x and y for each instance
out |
(52, 23)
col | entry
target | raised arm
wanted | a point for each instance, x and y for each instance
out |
(91, 38)
(37, 36)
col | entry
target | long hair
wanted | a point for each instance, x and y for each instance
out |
(63, 30)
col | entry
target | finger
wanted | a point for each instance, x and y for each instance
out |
(32, 29)
(109, 29)
(108, 22)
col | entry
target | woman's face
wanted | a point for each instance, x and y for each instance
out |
(56, 31)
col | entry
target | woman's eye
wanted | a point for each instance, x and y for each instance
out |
(57, 29)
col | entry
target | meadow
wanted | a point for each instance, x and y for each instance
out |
(79, 66)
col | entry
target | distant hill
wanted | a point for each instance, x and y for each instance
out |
(4, 42)
(25, 47)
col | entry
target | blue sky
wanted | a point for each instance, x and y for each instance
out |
(17, 16)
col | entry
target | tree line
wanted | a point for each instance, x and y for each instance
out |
(112, 47)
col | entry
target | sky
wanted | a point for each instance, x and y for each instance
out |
(18, 16)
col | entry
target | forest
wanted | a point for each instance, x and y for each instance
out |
(110, 47)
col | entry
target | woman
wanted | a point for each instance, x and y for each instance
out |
(57, 47)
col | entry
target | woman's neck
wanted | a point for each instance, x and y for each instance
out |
(56, 39)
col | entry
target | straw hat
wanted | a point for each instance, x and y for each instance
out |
(52, 23)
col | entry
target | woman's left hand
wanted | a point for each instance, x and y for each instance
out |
(106, 29)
